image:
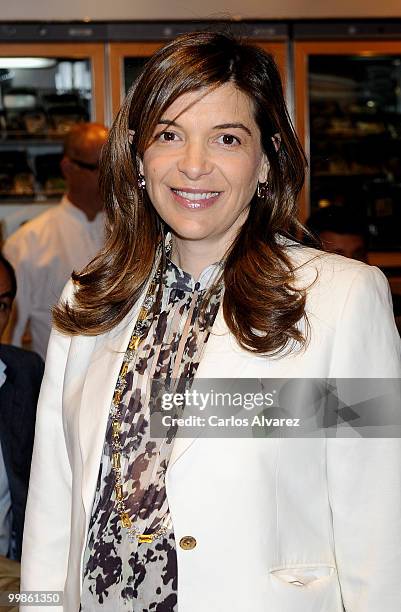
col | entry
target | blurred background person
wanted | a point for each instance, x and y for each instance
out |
(20, 378)
(340, 231)
(47, 249)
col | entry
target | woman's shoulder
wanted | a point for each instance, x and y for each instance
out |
(309, 263)
(69, 297)
(332, 281)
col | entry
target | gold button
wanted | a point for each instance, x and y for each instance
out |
(188, 542)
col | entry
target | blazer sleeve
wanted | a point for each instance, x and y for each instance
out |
(48, 513)
(364, 474)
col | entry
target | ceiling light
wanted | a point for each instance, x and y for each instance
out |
(27, 62)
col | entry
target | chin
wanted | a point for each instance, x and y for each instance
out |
(191, 231)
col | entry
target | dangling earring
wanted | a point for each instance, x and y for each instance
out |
(261, 190)
(141, 182)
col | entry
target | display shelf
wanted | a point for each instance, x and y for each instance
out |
(44, 90)
(338, 54)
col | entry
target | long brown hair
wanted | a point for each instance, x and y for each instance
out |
(261, 305)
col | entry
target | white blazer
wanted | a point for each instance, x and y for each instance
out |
(262, 511)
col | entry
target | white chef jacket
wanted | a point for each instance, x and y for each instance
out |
(44, 252)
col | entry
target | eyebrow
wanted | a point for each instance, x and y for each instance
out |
(222, 126)
(6, 295)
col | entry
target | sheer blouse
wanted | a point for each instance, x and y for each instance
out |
(121, 574)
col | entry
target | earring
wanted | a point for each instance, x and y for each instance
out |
(261, 190)
(141, 182)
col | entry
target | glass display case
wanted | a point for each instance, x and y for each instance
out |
(126, 62)
(128, 59)
(44, 90)
(348, 100)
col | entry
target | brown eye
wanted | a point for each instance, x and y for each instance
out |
(167, 136)
(228, 140)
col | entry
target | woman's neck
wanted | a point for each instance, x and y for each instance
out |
(193, 257)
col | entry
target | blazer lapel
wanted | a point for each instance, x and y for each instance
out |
(97, 394)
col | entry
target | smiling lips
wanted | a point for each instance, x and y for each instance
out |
(195, 198)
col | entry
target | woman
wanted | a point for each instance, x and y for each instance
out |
(199, 279)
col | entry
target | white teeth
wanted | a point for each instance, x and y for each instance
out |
(195, 197)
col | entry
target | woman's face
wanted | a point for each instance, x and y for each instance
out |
(203, 165)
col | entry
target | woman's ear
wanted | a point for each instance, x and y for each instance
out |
(276, 138)
(65, 166)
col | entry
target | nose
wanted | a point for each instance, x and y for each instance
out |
(194, 161)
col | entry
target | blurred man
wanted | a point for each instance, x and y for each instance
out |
(20, 378)
(47, 249)
(340, 231)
